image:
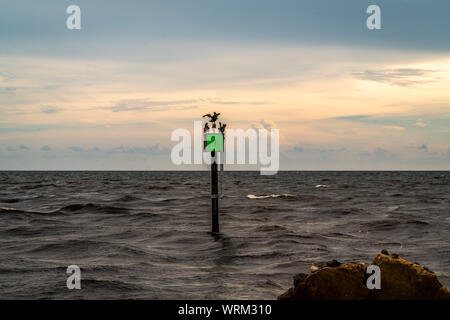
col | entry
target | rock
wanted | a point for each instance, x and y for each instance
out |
(299, 278)
(334, 263)
(288, 295)
(319, 265)
(315, 268)
(343, 282)
(442, 294)
(401, 279)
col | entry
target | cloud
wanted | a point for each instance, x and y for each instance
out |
(264, 124)
(8, 89)
(397, 128)
(317, 150)
(21, 147)
(233, 102)
(297, 149)
(29, 128)
(152, 105)
(352, 118)
(167, 105)
(381, 154)
(268, 124)
(46, 148)
(435, 120)
(400, 76)
(384, 122)
(148, 150)
(77, 149)
(333, 150)
(49, 110)
(6, 77)
(423, 147)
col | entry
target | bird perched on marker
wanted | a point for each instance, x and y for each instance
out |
(222, 127)
(213, 118)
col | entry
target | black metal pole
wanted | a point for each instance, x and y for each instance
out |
(214, 194)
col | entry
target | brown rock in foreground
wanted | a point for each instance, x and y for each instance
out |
(337, 283)
(400, 280)
(442, 294)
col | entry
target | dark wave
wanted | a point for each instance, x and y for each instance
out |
(110, 284)
(128, 198)
(91, 208)
(10, 200)
(12, 211)
(271, 228)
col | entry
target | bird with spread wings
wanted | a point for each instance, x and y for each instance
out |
(213, 118)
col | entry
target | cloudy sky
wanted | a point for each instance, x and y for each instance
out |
(109, 95)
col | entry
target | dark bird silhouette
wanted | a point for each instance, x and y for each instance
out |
(222, 127)
(213, 118)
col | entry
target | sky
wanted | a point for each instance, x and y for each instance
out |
(108, 96)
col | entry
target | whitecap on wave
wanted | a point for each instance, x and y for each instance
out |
(285, 195)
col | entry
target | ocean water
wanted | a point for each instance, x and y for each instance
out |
(146, 235)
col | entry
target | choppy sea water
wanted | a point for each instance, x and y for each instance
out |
(146, 235)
